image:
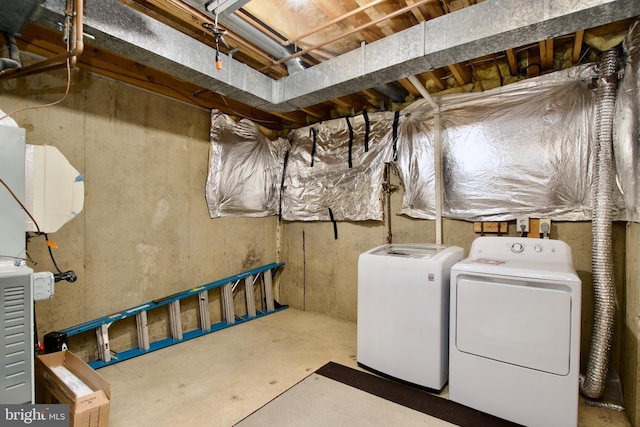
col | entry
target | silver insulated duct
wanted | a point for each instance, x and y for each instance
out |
(593, 382)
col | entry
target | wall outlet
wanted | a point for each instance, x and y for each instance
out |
(43, 285)
(545, 226)
(522, 224)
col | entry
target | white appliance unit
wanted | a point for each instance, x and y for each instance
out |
(16, 290)
(403, 311)
(16, 337)
(53, 192)
(515, 331)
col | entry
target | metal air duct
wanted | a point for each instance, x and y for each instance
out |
(13, 18)
(432, 44)
(15, 14)
(593, 383)
(13, 61)
(242, 28)
(238, 26)
(245, 30)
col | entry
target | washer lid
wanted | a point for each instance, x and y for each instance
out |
(408, 250)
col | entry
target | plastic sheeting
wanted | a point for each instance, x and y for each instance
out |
(626, 136)
(245, 169)
(337, 172)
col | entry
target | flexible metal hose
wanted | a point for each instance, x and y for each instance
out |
(13, 61)
(594, 381)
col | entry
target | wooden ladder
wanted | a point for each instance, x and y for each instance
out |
(107, 356)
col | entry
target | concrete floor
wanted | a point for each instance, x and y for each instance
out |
(219, 379)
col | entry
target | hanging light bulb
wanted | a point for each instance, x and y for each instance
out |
(218, 33)
(218, 61)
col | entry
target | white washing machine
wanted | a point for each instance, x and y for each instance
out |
(515, 331)
(403, 311)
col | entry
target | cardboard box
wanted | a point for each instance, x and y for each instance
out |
(64, 378)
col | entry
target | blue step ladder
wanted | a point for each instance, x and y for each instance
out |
(106, 356)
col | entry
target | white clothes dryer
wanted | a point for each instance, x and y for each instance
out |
(403, 311)
(515, 331)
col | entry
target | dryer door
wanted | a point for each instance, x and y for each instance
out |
(517, 322)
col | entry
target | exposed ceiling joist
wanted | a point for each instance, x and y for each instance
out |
(426, 49)
(577, 44)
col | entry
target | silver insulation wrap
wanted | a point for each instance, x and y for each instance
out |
(338, 165)
(416, 161)
(245, 169)
(627, 126)
(594, 380)
(519, 149)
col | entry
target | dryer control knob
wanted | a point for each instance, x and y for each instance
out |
(517, 248)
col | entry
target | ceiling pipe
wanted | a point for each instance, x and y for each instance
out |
(13, 62)
(259, 26)
(394, 91)
(203, 17)
(240, 27)
(74, 37)
(438, 161)
(245, 27)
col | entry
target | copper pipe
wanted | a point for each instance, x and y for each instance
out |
(76, 44)
(332, 22)
(355, 30)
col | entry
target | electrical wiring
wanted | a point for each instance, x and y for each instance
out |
(55, 264)
(20, 203)
(69, 276)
